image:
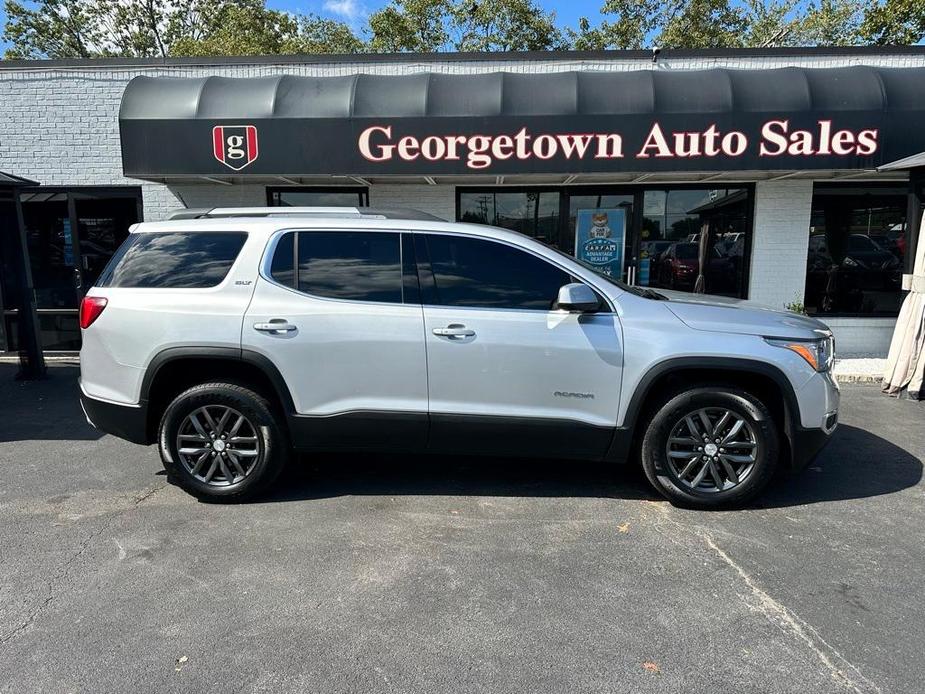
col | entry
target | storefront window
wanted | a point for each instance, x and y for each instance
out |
(318, 197)
(694, 240)
(857, 247)
(535, 213)
(662, 245)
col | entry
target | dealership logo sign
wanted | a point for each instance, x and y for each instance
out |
(235, 146)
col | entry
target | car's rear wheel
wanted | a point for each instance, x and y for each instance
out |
(711, 447)
(221, 441)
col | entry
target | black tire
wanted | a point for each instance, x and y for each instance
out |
(271, 443)
(761, 429)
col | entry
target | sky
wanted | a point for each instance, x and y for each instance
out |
(354, 12)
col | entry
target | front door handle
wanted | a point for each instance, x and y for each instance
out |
(454, 330)
(276, 326)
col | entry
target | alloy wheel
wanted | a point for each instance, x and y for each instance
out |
(712, 450)
(218, 445)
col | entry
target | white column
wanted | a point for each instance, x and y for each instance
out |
(780, 241)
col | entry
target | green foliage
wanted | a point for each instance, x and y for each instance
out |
(424, 26)
(146, 28)
(894, 22)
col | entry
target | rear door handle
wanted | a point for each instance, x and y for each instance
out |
(454, 330)
(275, 326)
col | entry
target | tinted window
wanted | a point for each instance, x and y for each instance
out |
(282, 269)
(360, 266)
(173, 260)
(857, 250)
(473, 272)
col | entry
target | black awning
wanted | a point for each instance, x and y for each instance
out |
(8, 180)
(505, 123)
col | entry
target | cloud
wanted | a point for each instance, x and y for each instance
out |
(351, 10)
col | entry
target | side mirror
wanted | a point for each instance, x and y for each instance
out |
(577, 298)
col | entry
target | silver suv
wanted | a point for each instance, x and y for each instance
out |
(231, 337)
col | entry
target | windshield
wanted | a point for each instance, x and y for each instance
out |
(638, 291)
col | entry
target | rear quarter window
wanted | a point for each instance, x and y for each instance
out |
(173, 260)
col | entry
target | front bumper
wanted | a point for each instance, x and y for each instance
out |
(125, 421)
(807, 443)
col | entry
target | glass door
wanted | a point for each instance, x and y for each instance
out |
(102, 226)
(71, 235)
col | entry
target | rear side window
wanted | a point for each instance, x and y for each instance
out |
(346, 265)
(485, 274)
(173, 260)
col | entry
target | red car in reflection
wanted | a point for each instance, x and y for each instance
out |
(679, 266)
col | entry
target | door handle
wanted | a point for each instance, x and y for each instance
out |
(276, 326)
(454, 330)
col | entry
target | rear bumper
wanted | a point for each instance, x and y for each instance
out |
(125, 421)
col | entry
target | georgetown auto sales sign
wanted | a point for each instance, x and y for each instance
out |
(518, 145)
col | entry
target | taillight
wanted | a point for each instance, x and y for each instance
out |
(90, 309)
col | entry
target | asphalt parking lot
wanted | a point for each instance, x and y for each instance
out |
(365, 574)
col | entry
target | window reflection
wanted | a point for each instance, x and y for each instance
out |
(857, 247)
(357, 266)
(485, 274)
(173, 260)
(535, 213)
(686, 230)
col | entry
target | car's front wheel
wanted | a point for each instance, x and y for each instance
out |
(222, 441)
(711, 447)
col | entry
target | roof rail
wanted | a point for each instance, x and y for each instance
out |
(321, 212)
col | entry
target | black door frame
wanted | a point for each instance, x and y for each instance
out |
(75, 193)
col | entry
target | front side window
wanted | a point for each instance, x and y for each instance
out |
(173, 260)
(347, 265)
(486, 274)
(856, 252)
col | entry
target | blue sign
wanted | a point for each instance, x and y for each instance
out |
(599, 239)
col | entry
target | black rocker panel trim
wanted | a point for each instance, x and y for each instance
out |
(359, 430)
(517, 436)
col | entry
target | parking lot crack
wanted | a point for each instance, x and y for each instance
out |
(62, 576)
(840, 668)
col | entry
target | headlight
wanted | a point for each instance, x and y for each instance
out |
(819, 354)
(850, 262)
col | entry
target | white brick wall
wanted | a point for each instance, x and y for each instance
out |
(780, 241)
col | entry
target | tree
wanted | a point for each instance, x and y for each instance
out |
(894, 22)
(419, 26)
(143, 28)
(505, 25)
(831, 23)
(667, 24)
(463, 25)
(55, 29)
